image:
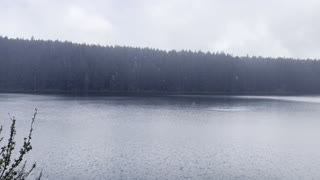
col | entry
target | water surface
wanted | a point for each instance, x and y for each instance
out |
(172, 137)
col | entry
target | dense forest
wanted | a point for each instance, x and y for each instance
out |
(55, 66)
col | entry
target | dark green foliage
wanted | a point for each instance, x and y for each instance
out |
(44, 66)
(15, 168)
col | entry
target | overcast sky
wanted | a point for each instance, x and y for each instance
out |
(288, 28)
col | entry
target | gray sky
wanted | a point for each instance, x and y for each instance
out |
(288, 28)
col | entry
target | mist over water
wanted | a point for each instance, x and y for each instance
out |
(170, 137)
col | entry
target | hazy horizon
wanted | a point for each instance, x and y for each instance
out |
(257, 28)
(155, 48)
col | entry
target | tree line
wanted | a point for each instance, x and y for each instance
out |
(28, 65)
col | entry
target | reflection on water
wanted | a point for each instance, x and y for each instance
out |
(172, 137)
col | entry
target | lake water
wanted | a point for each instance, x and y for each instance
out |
(172, 137)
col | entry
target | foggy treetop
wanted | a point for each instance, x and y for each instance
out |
(55, 66)
(269, 28)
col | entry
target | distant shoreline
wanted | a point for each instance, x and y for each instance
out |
(154, 93)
